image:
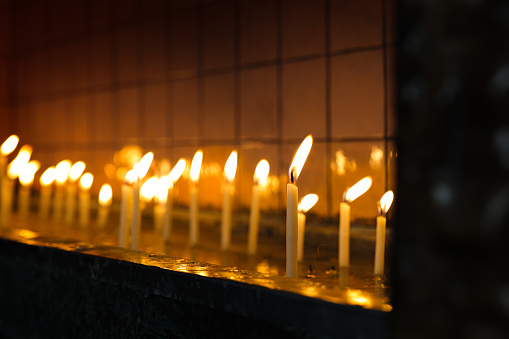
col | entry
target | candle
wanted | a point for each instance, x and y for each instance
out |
(8, 146)
(126, 205)
(61, 173)
(305, 205)
(169, 182)
(260, 180)
(84, 195)
(46, 181)
(160, 200)
(140, 170)
(383, 206)
(74, 174)
(292, 199)
(147, 192)
(194, 176)
(26, 179)
(344, 218)
(105, 196)
(228, 189)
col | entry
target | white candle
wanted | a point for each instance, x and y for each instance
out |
(8, 146)
(74, 174)
(140, 169)
(61, 174)
(384, 205)
(305, 205)
(230, 168)
(105, 196)
(26, 179)
(260, 179)
(194, 176)
(126, 204)
(170, 181)
(161, 198)
(46, 182)
(84, 196)
(344, 219)
(292, 201)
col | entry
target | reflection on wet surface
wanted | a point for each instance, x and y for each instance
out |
(318, 274)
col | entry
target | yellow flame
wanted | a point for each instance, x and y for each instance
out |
(161, 194)
(300, 158)
(230, 168)
(86, 181)
(9, 145)
(62, 171)
(142, 167)
(196, 166)
(47, 177)
(307, 202)
(26, 176)
(19, 163)
(262, 172)
(386, 201)
(130, 177)
(105, 195)
(177, 171)
(358, 189)
(76, 171)
(148, 189)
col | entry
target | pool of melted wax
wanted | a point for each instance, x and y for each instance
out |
(318, 274)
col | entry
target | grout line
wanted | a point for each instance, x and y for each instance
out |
(385, 84)
(279, 96)
(328, 105)
(200, 67)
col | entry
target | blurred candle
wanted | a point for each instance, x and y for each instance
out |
(140, 170)
(260, 180)
(84, 195)
(105, 196)
(194, 176)
(71, 187)
(230, 168)
(383, 206)
(147, 192)
(126, 205)
(26, 179)
(344, 218)
(160, 200)
(292, 200)
(61, 174)
(8, 146)
(305, 205)
(172, 178)
(46, 182)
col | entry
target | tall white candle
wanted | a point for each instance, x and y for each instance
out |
(46, 182)
(292, 201)
(305, 205)
(194, 177)
(140, 169)
(84, 197)
(172, 178)
(71, 187)
(230, 168)
(26, 179)
(126, 204)
(160, 200)
(61, 174)
(260, 179)
(344, 219)
(384, 205)
(105, 196)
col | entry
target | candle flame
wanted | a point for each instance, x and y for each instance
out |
(9, 145)
(76, 171)
(142, 167)
(86, 181)
(161, 195)
(62, 171)
(148, 189)
(262, 172)
(105, 195)
(21, 160)
(230, 168)
(307, 202)
(47, 177)
(300, 158)
(130, 177)
(386, 202)
(358, 189)
(177, 171)
(196, 166)
(26, 176)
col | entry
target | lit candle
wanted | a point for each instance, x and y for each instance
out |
(383, 206)
(260, 179)
(147, 192)
(8, 146)
(26, 179)
(105, 196)
(292, 201)
(46, 181)
(61, 174)
(74, 174)
(140, 169)
(172, 178)
(344, 218)
(84, 195)
(305, 205)
(230, 168)
(194, 176)
(126, 205)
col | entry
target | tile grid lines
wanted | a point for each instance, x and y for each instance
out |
(200, 67)
(237, 92)
(384, 86)
(328, 99)
(168, 83)
(279, 94)
(114, 86)
(141, 85)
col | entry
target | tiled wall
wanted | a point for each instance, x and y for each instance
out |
(170, 76)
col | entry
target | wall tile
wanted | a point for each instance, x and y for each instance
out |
(127, 54)
(28, 36)
(154, 8)
(25, 66)
(357, 95)
(391, 92)
(155, 118)
(3, 81)
(218, 34)
(153, 50)
(125, 10)
(128, 113)
(5, 32)
(258, 26)
(101, 59)
(80, 119)
(42, 125)
(218, 119)
(184, 38)
(80, 54)
(100, 14)
(304, 99)
(43, 73)
(185, 109)
(61, 69)
(392, 23)
(102, 119)
(59, 126)
(259, 103)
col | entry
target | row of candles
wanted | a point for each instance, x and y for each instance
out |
(134, 194)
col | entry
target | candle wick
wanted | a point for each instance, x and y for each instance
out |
(293, 179)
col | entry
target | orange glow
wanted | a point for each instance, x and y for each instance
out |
(76, 171)
(9, 145)
(130, 177)
(358, 189)
(386, 201)
(230, 168)
(62, 171)
(161, 195)
(47, 177)
(307, 202)
(148, 189)
(261, 172)
(105, 195)
(300, 158)
(196, 166)
(143, 166)
(86, 181)
(177, 171)
(26, 176)
(356, 298)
